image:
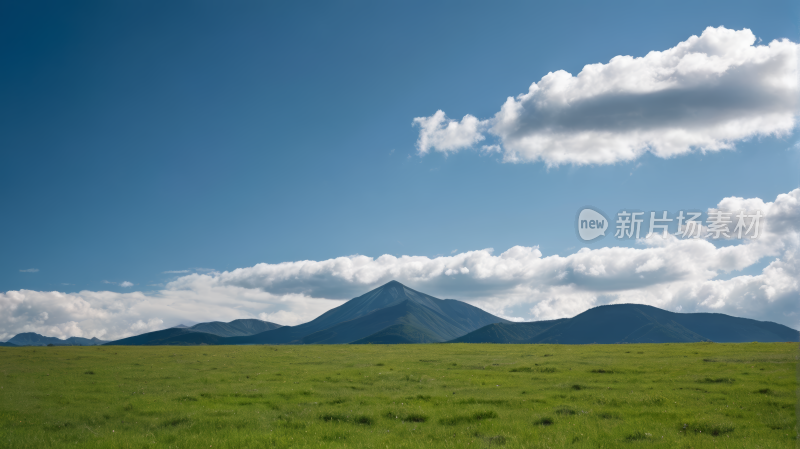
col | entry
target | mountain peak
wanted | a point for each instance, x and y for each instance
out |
(392, 285)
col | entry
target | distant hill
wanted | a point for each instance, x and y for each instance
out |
(212, 333)
(236, 328)
(8, 345)
(635, 323)
(202, 333)
(507, 332)
(34, 339)
(172, 336)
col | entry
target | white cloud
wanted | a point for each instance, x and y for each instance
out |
(445, 135)
(125, 284)
(489, 149)
(30, 270)
(111, 315)
(705, 94)
(520, 283)
(176, 272)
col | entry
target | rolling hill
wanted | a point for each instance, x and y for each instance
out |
(507, 332)
(236, 328)
(635, 323)
(212, 333)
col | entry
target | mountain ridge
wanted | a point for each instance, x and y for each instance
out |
(34, 339)
(209, 333)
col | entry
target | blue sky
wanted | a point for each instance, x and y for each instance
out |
(145, 138)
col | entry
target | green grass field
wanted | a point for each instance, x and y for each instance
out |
(438, 395)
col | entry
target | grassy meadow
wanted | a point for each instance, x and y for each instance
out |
(702, 395)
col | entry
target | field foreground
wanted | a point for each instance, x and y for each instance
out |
(437, 395)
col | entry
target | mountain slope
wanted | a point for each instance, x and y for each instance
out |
(507, 332)
(397, 334)
(153, 338)
(438, 327)
(8, 345)
(724, 328)
(172, 336)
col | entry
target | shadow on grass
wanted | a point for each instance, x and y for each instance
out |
(708, 428)
(408, 417)
(465, 419)
(637, 436)
(717, 380)
(544, 421)
(355, 419)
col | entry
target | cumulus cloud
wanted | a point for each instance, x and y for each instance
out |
(704, 94)
(30, 270)
(111, 315)
(446, 135)
(519, 283)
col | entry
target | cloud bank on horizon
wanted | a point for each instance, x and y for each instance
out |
(520, 284)
(704, 94)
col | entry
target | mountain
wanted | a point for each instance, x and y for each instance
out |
(635, 323)
(7, 345)
(34, 339)
(392, 311)
(388, 305)
(236, 328)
